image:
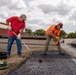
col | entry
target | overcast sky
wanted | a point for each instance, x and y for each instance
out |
(41, 13)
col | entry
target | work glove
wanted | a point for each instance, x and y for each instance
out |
(9, 27)
(19, 36)
(61, 41)
(57, 38)
(56, 43)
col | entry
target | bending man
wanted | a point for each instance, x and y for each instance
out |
(53, 32)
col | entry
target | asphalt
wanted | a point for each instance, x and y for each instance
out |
(52, 64)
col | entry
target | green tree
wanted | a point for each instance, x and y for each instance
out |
(29, 31)
(40, 32)
(62, 33)
(72, 35)
(75, 34)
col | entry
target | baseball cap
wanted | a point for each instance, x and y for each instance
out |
(60, 24)
(23, 16)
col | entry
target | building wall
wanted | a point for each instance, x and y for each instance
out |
(3, 33)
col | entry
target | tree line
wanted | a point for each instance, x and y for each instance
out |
(41, 32)
(72, 35)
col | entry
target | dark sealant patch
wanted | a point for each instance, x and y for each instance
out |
(52, 64)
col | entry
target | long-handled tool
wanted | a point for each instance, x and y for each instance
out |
(27, 47)
(22, 41)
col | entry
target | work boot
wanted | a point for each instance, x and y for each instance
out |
(8, 56)
(62, 53)
(20, 55)
(45, 53)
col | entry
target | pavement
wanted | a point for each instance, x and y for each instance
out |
(14, 61)
(52, 64)
(69, 49)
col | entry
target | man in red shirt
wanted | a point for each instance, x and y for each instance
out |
(53, 32)
(16, 24)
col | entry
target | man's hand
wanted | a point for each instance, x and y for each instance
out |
(19, 36)
(9, 27)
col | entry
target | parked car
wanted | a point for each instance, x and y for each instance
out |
(73, 44)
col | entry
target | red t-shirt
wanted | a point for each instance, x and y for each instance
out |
(16, 25)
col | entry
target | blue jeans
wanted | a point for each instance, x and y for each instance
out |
(10, 42)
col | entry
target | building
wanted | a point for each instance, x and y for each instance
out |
(3, 33)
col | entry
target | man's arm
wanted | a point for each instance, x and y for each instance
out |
(51, 32)
(7, 22)
(9, 26)
(21, 30)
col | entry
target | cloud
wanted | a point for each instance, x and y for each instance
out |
(73, 16)
(17, 5)
(27, 2)
(11, 7)
(3, 15)
(41, 13)
(12, 4)
(5, 2)
(34, 21)
(61, 9)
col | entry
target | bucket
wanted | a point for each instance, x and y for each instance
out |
(3, 60)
